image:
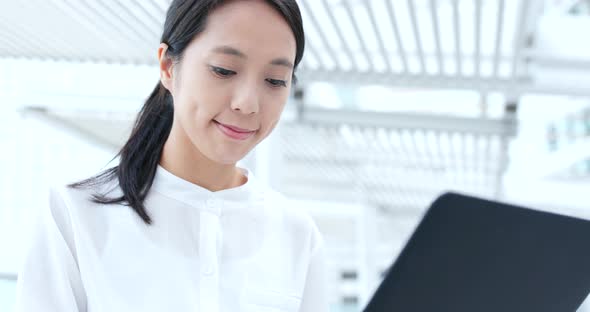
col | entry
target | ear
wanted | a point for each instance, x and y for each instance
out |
(165, 62)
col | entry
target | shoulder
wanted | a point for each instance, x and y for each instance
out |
(63, 193)
(296, 221)
(57, 217)
(73, 203)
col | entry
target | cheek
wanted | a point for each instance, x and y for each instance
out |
(272, 115)
(202, 103)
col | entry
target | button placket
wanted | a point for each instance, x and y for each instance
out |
(213, 206)
(210, 234)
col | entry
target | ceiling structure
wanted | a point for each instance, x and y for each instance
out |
(482, 46)
(457, 44)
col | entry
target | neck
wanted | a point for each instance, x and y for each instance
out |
(181, 158)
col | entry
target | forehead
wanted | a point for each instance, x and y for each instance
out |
(253, 27)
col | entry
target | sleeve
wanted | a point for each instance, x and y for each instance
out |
(314, 293)
(49, 278)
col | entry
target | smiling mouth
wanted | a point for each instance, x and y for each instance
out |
(234, 132)
(234, 128)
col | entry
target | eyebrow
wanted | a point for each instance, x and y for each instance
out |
(235, 52)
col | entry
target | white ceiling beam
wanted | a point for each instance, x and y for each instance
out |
(412, 81)
(498, 40)
(378, 36)
(477, 38)
(357, 32)
(8, 276)
(457, 30)
(436, 30)
(398, 40)
(72, 128)
(145, 25)
(503, 162)
(311, 50)
(23, 36)
(320, 30)
(343, 40)
(155, 20)
(404, 121)
(82, 18)
(520, 38)
(390, 160)
(45, 35)
(106, 19)
(129, 26)
(14, 45)
(521, 86)
(161, 6)
(551, 89)
(407, 147)
(330, 191)
(417, 36)
(90, 18)
(102, 35)
(324, 136)
(544, 60)
(7, 49)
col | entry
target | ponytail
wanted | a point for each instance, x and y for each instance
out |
(140, 155)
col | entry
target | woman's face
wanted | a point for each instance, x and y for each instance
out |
(235, 74)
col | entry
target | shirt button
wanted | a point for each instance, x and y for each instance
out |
(210, 203)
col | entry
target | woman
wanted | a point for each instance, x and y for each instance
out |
(176, 226)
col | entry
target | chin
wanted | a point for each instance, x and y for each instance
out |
(229, 158)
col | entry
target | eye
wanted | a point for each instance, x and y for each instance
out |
(222, 72)
(277, 83)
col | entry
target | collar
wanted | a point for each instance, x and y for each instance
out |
(195, 195)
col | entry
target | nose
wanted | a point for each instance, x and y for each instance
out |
(246, 100)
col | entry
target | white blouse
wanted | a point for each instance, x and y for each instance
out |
(239, 249)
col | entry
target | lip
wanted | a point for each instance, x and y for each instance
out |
(234, 132)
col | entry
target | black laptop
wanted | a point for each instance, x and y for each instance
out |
(473, 255)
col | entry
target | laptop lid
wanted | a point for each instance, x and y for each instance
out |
(469, 254)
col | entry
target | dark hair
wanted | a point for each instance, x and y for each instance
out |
(140, 155)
